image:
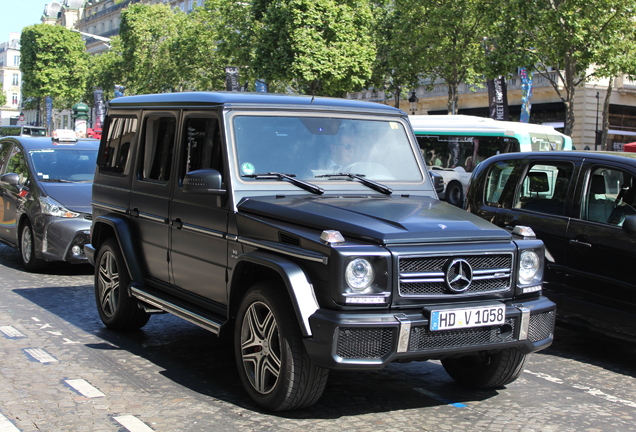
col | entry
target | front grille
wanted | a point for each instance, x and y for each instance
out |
(422, 338)
(425, 276)
(541, 326)
(364, 342)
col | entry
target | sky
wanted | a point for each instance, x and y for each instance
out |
(16, 14)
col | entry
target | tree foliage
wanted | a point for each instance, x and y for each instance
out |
(53, 63)
(569, 42)
(3, 97)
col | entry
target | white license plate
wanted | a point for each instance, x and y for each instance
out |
(448, 319)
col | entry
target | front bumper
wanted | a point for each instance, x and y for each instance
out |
(372, 341)
(59, 236)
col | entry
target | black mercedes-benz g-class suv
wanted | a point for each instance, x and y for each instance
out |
(308, 228)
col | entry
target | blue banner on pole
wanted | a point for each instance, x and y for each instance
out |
(526, 95)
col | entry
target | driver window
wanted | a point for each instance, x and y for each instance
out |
(610, 196)
(202, 145)
(17, 164)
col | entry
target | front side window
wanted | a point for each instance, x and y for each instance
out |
(202, 145)
(158, 148)
(316, 148)
(610, 196)
(17, 164)
(544, 188)
(500, 184)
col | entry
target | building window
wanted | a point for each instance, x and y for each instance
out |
(14, 99)
(16, 79)
(16, 60)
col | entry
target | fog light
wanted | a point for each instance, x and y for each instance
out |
(76, 250)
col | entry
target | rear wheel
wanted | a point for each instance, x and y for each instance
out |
(273, 364)
(455, 194)
(27, 249)
(485, 369)
(117, 309)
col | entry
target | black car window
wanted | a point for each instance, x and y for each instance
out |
(158, 148)
(500, 183)
(17, 164)
(202, 145)
(115, 157)
(4, 155)
(544, 188)
(610, 196)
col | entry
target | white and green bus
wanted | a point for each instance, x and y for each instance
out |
(453, 145)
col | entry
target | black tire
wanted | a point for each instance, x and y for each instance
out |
(455, 194)
(274, 366)
(486, 370)
(27, 249)
(117, 309)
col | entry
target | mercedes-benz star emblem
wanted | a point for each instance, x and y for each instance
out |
(459, 275)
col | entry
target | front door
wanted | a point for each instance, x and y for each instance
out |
(198, 222)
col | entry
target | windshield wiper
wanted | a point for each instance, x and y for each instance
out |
(365, 181)
(290, 178)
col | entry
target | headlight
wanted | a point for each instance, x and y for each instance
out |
(359, 274)
(529, 266)
(53, 208)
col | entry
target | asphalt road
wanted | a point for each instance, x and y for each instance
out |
(62, 370)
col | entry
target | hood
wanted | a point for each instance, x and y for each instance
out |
(384, 220)
(73, 196)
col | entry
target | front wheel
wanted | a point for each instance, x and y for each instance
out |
(486, 369)
(27, 249)
(272, 362)
(117, 309)
(455, 194)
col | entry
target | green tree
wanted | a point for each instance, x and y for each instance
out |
(53, 63)
(567, 42)
(3, 97)
(314, 46)
(447, 37)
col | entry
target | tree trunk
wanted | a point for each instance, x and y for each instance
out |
(453, 99)
(606, 123)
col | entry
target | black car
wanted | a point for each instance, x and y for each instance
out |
(46, 198)
(583, 206)
(309, 230)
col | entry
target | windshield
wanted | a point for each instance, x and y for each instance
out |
(313, 148)
(38, 132)
(64, 165)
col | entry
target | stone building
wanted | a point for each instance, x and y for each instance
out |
(11, 79)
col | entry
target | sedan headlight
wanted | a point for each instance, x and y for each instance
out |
(359, 274)
(51, 207)
(529, 266)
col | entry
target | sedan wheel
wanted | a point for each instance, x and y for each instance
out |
(27, 249)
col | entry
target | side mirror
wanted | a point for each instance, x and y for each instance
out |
(204, 181)
(12, 178)
(437, 180)
(629, 225)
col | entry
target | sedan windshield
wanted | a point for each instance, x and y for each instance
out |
(321, 149)
(64, 165)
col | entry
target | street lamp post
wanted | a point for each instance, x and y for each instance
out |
(413, 102)
(596, 131)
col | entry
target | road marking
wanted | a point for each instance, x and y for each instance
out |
(54, 333)
(38, 354)
(84, 388)
(133, 424)
(45, 326)
(6, 425)
(439, 398)
(68, 341)
(11, 332)
(591, 391)
(35, 319)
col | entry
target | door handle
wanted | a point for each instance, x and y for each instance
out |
(580, 243)
(177, 223)
(134, 212)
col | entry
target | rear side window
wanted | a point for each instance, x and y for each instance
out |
(158, 148)
(544, 188)
(116, 153)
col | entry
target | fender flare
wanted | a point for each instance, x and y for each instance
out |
(299, 288)
(124, 239)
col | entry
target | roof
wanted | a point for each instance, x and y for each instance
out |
(201, 99)
(603, 155)
(39, 143)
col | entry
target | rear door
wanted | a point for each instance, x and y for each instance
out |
(7, 198)
(600, 255)
(150, 196)
(198, 223)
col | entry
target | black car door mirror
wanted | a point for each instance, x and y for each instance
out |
(12, 178)
(203, 181)
(629, 225)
